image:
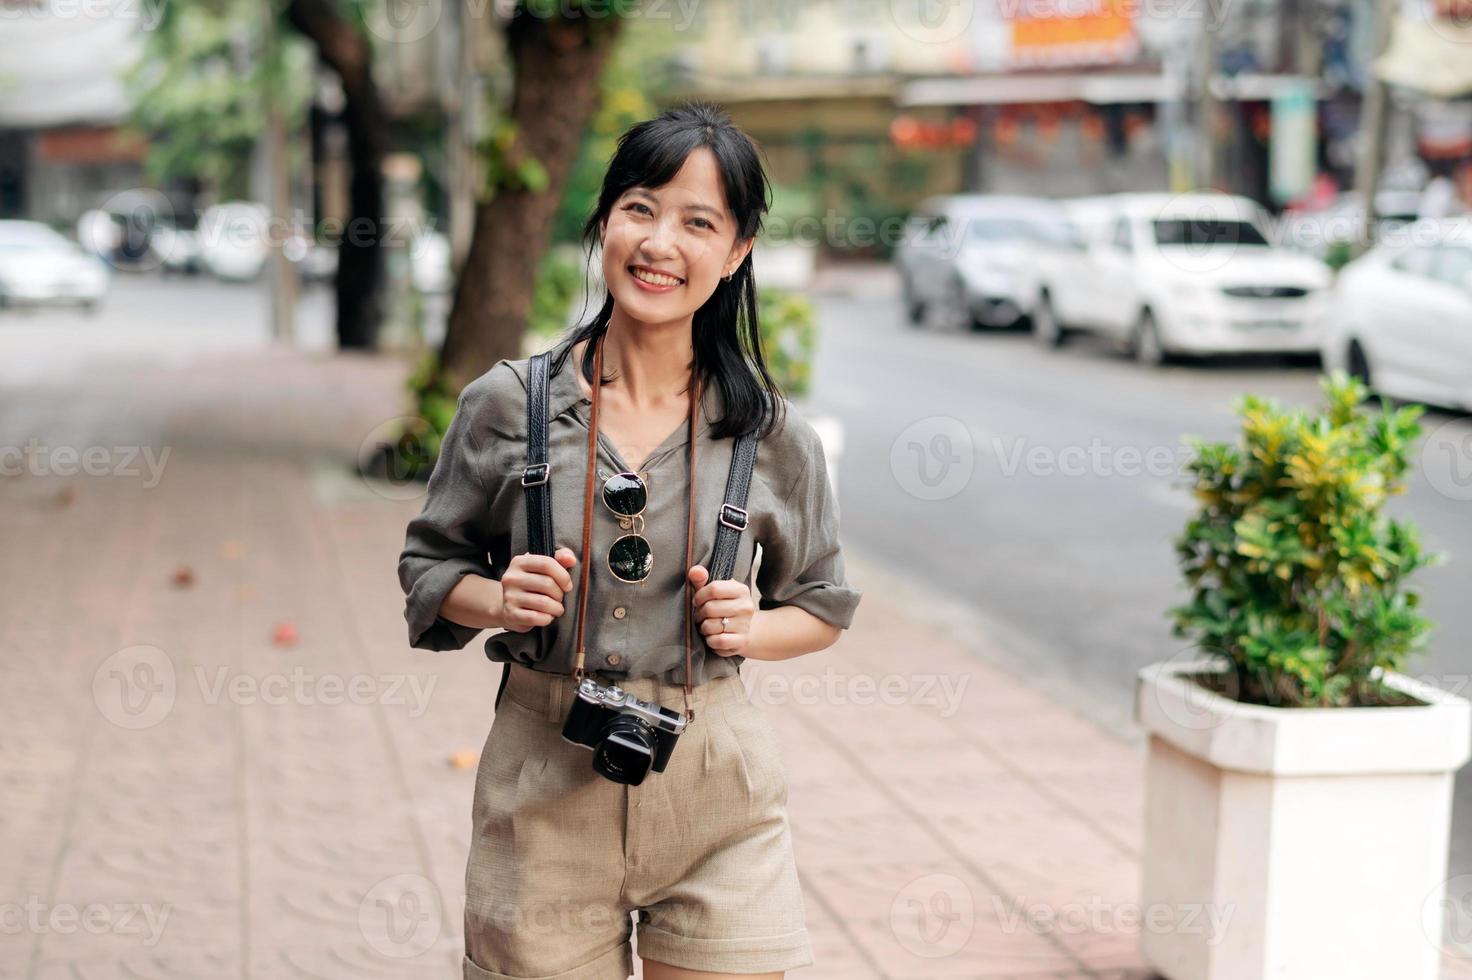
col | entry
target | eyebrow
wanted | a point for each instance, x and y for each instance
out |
(642, 192)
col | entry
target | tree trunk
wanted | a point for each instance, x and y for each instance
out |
(359, 283)
(558, 62)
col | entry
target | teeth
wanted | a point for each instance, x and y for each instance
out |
(655, 278)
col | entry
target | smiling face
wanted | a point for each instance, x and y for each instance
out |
(666, 248)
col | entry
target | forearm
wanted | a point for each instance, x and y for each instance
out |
(785, 632)
(475, 601)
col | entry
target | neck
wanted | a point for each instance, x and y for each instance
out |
(653, 361)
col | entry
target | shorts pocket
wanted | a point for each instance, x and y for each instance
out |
(758, 753)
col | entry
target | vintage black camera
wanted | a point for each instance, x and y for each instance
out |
(629, 737)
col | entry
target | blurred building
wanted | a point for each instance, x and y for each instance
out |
(1058, 97)
(62, 105)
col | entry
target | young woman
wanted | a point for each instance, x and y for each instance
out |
(563, 860)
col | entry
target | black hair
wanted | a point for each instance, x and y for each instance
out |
(724, 332)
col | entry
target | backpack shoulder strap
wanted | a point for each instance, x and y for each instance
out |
(732, 519)
(534, 479)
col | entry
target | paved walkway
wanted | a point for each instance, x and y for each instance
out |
(218, 756)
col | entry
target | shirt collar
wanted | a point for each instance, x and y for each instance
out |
(565, 393)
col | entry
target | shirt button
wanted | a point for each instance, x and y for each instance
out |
(614, 660)
(620, 612)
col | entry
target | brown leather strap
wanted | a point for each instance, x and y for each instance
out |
(695, 391)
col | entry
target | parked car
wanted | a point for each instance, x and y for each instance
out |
(233, 239)
(1193, 274)
(1069, 280)
(973, 257)
(1401, 316)
(39, 265)
(429, 263)
(176, 249)
(1319, 232)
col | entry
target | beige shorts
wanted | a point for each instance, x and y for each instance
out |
(566, 864)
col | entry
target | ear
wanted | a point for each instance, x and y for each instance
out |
(739, 251)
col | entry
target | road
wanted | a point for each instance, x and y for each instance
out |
(1059, 539)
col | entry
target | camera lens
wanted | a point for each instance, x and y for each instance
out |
(625, 751)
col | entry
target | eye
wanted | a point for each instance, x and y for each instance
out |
(703, 223)
(637, 204)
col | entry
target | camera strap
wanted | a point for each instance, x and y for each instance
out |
(732, 519)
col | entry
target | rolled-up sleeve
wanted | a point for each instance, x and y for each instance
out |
(802, 561)
(452, 537)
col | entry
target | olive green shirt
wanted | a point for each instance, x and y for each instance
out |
(474, 520)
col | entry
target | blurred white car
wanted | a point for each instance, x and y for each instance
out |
(1193, 274)
(39, 265)
(233, 239)
(973, 257)
(429, 263)
(1402, 317)
(176, 249)
(1316, 233)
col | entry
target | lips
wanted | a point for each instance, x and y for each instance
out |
(654, 277)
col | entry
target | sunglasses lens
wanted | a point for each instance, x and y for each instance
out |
(630, 558)
(624, 494)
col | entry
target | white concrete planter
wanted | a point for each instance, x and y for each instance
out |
(1295, 843)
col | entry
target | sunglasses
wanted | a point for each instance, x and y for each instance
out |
(630, 558)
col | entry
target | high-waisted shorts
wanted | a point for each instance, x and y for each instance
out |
(565, 864)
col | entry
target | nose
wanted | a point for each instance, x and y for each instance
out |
(661, 241)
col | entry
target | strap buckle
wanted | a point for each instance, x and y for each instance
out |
(543, 470)
(733, 509)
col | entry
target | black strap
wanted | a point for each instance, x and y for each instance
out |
(535, 478)
(732, 519)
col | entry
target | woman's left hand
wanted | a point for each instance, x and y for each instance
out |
(723, 598)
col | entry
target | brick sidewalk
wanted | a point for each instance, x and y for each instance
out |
(185, 797)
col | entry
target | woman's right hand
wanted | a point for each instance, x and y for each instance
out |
(532, 588)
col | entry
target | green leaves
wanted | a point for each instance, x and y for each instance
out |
(1297, 575)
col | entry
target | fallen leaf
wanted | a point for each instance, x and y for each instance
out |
(66, 496)
(285, 634)
(230, 550)
(463, 759)
(183, 576)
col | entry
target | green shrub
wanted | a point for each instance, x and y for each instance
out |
(789, 330)
(1299, 578)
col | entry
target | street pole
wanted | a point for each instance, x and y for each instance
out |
(1207, 57)
(1374, 121)
(281, 273)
